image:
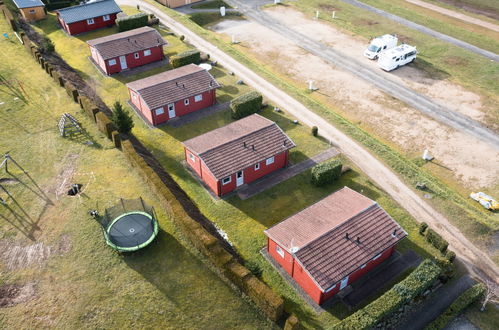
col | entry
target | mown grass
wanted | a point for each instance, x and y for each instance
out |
(214, 4)
(476, 8)
(244, 221)
(163, 286)
(204, 19)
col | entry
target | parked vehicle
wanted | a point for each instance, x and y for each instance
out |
(393, 58)
(380, 44)
(485, 200)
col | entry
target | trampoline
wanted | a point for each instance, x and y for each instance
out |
(130, 225)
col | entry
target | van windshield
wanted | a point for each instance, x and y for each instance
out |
(373, 48)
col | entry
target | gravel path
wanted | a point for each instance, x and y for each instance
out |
(455, 14)
(476, 260)
(411, 97)
(424, 29)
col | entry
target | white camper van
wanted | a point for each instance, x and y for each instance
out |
(379, 45)
(395, 57)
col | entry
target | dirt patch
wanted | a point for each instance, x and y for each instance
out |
(365, 22)
(489, 12)
(454, 60)
(327, 7)
(13, 294)
(67, 171)
(8, 181)
(16, 256)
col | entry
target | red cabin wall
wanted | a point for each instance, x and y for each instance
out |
(83, 26)
(305, 281)
(194, 162)
(136, 100)
(132, 62)
(286, 262)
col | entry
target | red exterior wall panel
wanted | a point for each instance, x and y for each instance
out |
(132, 62)
(286, 262)
(83, 26)
(306, 282)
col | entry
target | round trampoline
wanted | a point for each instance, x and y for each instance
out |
(130, 225)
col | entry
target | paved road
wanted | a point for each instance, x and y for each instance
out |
(416, 100)
(476, 260)
(424, 29)
(455, 14)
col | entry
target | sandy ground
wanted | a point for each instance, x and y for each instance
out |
(470, 160)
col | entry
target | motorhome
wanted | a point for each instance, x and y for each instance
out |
(379, 45)
(393, 58)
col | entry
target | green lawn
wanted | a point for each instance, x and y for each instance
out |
(476, 8)
(84, 284)
(214, 4)
(244, 221)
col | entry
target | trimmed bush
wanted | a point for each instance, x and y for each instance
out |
(182, 37)
(236, 272)
(246, 104)
(315, 130)
(269, 302)
(188, 57)
(132, 22)
(292, 323)
(104, 124)
(450, 255)
(71, 90)
(422, 227)
(436, 240)
(115, 136)
(326, 173)
(458, 306)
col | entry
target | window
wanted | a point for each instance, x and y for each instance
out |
(193, 159)
(31, 11)
(198, 98)
(376, 257)
(136, 55)
(106, 18)
(257, 166)
(112, 62)
(147, 52)
(363, 266)
(226, 180)
(160, 111)
(186, 101)
(279, 250)
(90, 21)
(269, 161)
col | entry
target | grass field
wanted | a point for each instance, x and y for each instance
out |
(483, 9)
(214, 4)
(75, 279)
(244, 221)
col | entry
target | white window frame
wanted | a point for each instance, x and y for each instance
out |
(186, 102)
(257, 166)
(136, 55)
(147, 52)
(331, 288)
(270, 160)
(159, 111)
(90, 21)
(377, 257)
(279, 250)
(198, 98)
(106, 18)
(363, 266)
(112, 62)
(191, 156)
(227, 180)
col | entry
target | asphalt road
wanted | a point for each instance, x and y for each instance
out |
(476, 260)
(414, 99)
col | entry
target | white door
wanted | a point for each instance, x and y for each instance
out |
(171, 110)
(123, 63)
(344, 283)
(239, 178)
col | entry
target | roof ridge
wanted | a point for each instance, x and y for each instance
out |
(83, 5)
(124, 37)
(253, 132)
(163, 82)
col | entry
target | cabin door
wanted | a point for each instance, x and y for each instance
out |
(123, 63)
(344, 283)
(171, 110)
(239, 178)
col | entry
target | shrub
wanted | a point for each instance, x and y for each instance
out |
(188, 57)
(422, 227)
(246, 104)
(121, 119)
(450, 255)
(254, 268)
(182, 37)
(104, 124)
(464, 300)
(315, 130)
(436, 240)
(132, 22)
(47, 46)
(326, 173)
(153, 21)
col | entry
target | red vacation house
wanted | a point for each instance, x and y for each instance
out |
(88, 16)
(173, 93)
(126, 50)
(238, 153)
(332, 243)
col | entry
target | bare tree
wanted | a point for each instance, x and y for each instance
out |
(491, 294)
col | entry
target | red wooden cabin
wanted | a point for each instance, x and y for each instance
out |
(126, 50)
(173, 93)
(238, 153)
(332, 243)
(88, 16)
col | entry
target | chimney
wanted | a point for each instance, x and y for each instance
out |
(346, 236)
(358, 240)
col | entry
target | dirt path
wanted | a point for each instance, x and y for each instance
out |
(455, 14)
(477, 262)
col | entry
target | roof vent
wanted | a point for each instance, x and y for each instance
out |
(253, 147)
(211, 83)
(346, 236)
(244, 144)
(176, 83)
(358, 240)
(394, 234)
(284, 143)
(183, 86)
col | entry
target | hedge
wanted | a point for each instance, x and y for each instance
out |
(246, 104)
(422, 227)
(464, 300)
(71, 90)
(436, 240)
(185, 58)
(402, 293)
(104, 124)
(326, 173)
(116, 138)
(292, 323)
(132, 22)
